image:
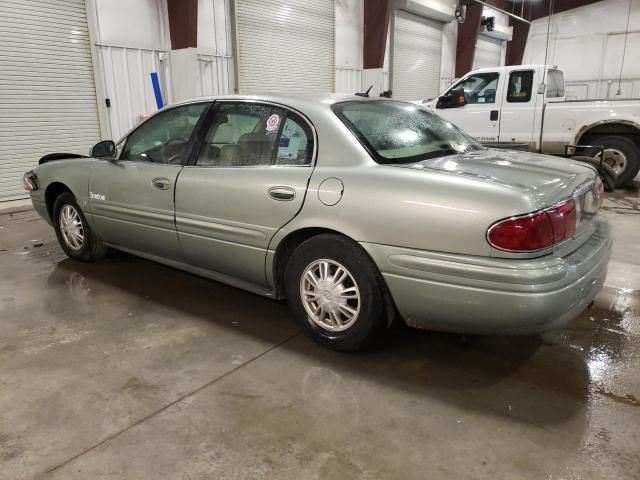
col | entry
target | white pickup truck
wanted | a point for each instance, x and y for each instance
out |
(523, 104)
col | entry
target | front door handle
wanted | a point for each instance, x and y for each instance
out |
(161, 183)
(282, 193)
(493, 116)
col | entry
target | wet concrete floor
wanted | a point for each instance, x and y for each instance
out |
(125, 369)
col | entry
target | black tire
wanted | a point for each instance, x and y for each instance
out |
(626, 146)
(91, 247)
(376, 307)
(607, 174)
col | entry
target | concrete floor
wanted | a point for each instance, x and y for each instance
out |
(126, 369)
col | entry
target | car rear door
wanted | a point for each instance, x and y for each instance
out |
(248, 179)
(131, 199)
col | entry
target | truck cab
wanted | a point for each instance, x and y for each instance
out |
(524, 107)
(502, 104)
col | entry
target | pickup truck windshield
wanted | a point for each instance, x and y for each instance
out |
(396, 132)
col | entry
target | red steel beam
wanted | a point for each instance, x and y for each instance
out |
(183, 23)
(376, 26)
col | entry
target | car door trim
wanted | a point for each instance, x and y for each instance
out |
(202, 272)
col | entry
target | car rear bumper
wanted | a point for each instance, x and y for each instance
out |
(465, 294)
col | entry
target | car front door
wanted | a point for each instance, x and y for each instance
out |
(248, 179)
(131, 199)
(480, 116)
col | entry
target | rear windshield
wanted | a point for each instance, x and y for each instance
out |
(397, 132)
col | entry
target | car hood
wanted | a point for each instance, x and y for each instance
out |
(545, 178)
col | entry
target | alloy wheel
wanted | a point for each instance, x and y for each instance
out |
(71, 227)
(330, 295)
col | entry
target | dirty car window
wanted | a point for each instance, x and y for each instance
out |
(396, 132)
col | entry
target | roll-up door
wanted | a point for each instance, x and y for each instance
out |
(47, 90)
(488, 52)
(285, 45)
(417, 54)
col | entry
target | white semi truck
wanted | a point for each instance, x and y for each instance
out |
(526, 105)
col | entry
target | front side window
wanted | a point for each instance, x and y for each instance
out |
(520, 85)
(555, 82)
(241, 135)
(479, 88)
(397, 132)
(163, 138)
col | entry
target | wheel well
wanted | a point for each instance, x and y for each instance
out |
(620, 129)
(286, 248)
(51, 193)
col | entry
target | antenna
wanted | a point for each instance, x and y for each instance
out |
(624, 50)
(365, 94)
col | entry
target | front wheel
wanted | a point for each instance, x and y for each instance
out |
(74, 233)
(337, 294)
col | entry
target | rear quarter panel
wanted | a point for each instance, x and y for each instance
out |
(565, 122)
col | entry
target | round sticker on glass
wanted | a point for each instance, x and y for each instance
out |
(272, 122)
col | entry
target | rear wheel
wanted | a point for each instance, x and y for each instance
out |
(336, 293)
(621, 154)
(74, 233)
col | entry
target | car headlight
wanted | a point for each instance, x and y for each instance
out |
(29, 181)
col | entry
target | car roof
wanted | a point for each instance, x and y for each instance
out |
(299, 101)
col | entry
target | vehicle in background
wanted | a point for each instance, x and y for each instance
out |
(525, 104)
(352, 209)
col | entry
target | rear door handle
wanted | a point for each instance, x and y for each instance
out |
(282, 193)
(493, 116)
(161, 183)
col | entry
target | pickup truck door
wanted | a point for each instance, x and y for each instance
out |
(480, 116)
(247, 179)
(520, 107)
(131, 199)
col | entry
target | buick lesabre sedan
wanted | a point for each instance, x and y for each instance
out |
(355, 210)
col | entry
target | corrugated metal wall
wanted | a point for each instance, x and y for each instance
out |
(47, 91)
(126, 77)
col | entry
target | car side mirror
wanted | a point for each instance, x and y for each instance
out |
(104, 149)
(453, 99)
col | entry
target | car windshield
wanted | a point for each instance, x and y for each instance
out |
(397, 132)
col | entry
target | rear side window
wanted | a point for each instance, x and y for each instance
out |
(520, 86)
(555, 84)
(397, 132)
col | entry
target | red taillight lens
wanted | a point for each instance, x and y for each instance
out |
(536, 231)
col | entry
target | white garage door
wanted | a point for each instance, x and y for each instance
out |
(285, 45)
(417, 54)
(47, 91)
(488, 52)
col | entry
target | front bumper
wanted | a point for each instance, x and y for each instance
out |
(460, 293)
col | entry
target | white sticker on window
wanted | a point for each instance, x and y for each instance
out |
(272, 122)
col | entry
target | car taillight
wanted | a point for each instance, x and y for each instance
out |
(535, 231)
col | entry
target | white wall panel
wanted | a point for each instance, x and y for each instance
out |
(47, 90)
(349, 40)
(132, 23)
(349, 80)
(216, 76)
(285, 45)
(587, 44)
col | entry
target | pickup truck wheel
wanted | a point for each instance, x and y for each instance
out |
(336, 293)
(621, 154)
(74, 233)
